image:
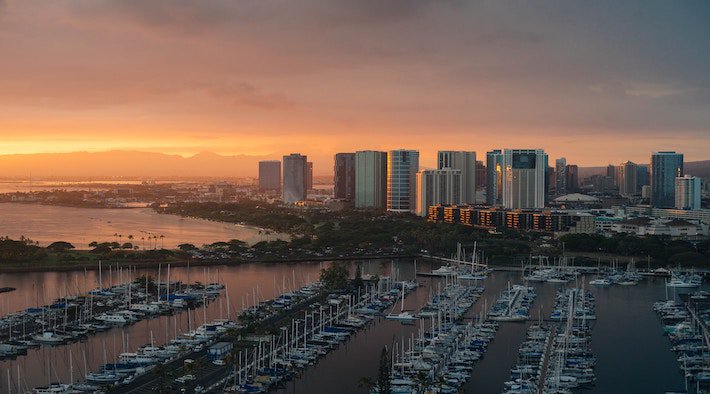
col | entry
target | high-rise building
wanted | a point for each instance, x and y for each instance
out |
(466, 163)
(628, 185)
(494, 177)
(438, 187)
(687, 192)
(402, 168)
(295, 173)
(602, 183)
(611, 171)
(642, 175)
(309, 175)
(572, 178)
(370, 179)
(344, 180)
(269, 175)
(665, 168)
(561, 176)
(524, 178)
(480, 175)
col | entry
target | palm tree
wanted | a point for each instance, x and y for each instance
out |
(143, 240)
(162, 241)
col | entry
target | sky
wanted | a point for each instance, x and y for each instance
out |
(597, 82)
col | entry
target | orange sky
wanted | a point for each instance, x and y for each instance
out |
(319, 77)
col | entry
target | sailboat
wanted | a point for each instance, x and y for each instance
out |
(403, 316)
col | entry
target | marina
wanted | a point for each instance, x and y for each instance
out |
(616, 351)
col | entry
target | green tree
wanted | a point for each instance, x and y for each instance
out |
(187, 247)
(60, 246)
(334, 277)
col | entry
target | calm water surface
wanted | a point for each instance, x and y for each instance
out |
(80, 226)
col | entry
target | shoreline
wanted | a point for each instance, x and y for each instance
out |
(93, 266)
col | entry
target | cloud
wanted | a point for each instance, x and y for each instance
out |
(245, 94)
(656, 91)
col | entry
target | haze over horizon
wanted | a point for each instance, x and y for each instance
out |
(596, 83)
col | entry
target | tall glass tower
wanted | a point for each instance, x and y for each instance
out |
(494, 177)
(402, 168)
(524, 178)
(665, 168)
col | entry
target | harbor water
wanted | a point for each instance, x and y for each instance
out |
(632, 354)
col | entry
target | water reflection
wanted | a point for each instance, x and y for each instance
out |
(80, 226)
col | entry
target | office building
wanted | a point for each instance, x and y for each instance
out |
(572, 181)
(480, 175)
(602, 183)
(628, 184)
(687, 192)
(295, 174)
(309, 175)
(371, 179)
(611, 171)
(665, 168)
(344, 179)
(561, 176)
(269, 175)
(438, 187)
(402, 168)
(642, 175)
(494, 177)
(466, 163)
(524, 178)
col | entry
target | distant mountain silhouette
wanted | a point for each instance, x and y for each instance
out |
(696, 168)
(129, 164)
(142, 165)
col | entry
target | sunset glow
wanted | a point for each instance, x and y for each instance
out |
(184, 77)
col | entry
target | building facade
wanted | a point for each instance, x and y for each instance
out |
(628, 183)
(438, 187)
(524, 178)
(665, 168)
(371, 179)
(494, 177)
(480, 175)
(572, 182)
(556, 222)
(269, 175)
(611, 172)
(687, 192)
(295, 174)
(309, 175)
(466, 163)
(402, 168)
(561, 176)
(344, 179)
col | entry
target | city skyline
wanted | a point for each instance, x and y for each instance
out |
(130, 75)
